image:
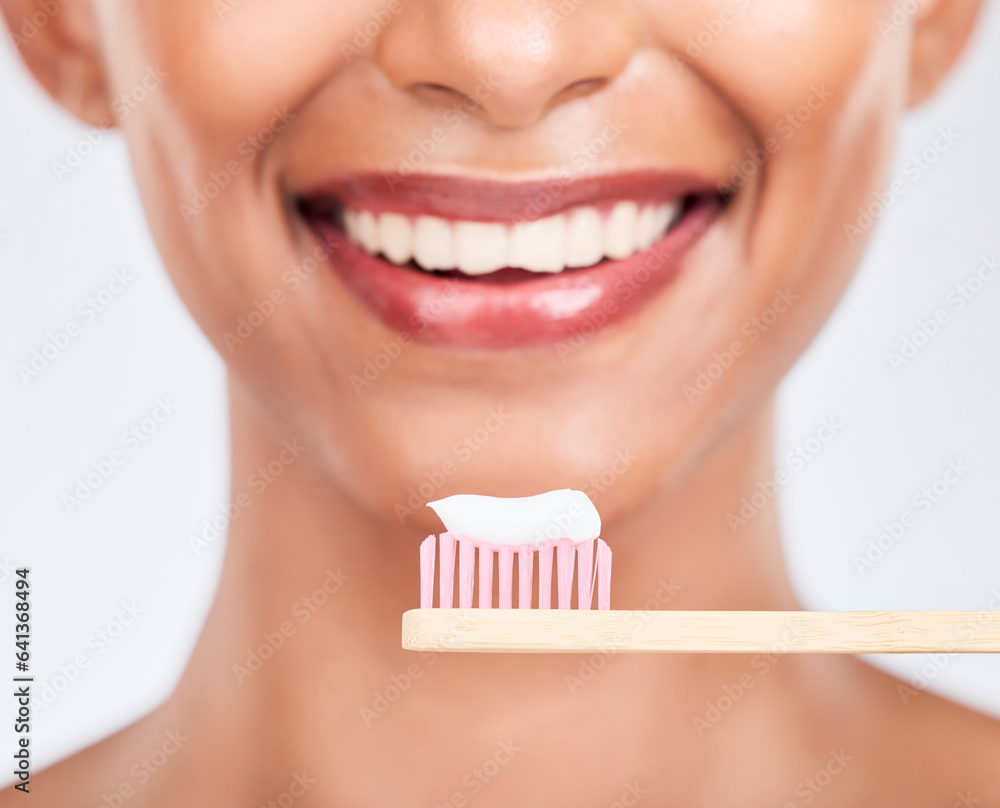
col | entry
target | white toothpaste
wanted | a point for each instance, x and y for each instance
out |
(520, 521)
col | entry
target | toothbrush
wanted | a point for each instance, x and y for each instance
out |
(564, 526)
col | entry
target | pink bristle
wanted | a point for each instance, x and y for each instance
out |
(485, 576)
(525, 567)
(603, 575)
(427, 572)
(466, 568)
(566, 554)
(446, 581)
(545, 575)
(505, 554)
(584, 574)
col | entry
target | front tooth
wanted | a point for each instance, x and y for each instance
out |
(539, 246)
(584, 237)
(620, 230)
(480, 247)
(367, 230)
(395, 235)
(433, 244)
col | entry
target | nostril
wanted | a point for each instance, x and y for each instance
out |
(578, 89)
(437, 93)
(586, 86)
(432, 87)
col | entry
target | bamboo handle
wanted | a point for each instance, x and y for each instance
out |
(575, 631)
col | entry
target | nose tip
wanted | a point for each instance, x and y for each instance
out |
(508, 61)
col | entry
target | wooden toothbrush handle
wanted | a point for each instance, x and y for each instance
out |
(575, 631)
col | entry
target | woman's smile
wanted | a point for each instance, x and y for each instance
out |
(471, 263)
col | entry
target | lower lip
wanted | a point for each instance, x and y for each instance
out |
(503, 314)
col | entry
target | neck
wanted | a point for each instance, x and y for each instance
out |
(304, 636)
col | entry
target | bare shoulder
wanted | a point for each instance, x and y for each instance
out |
(954, 751)
(110, 774)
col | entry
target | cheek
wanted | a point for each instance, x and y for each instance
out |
(212, 129)
(823, 96)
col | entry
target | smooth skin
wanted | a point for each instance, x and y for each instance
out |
(236, 68)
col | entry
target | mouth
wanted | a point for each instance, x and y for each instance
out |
(460, 262)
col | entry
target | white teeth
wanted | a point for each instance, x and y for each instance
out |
(351, 224)
(480, 247)
(433, 243)
(581, 237)
(585, 235)
(620, 231)
(396, 236)
(654, 221)
(646, 229)
(539, 246)
(368, 231)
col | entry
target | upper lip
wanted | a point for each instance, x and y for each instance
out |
(476, 199)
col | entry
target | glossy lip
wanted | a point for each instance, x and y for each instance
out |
(511, 308)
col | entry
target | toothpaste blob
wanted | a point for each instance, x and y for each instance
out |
(521, 521)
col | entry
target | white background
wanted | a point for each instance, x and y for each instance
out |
(61, 239)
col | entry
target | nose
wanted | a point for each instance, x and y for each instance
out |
(508, 61)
